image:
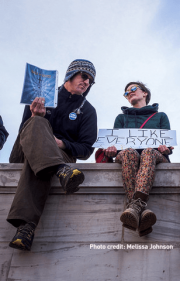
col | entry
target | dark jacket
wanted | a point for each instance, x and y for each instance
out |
(135, 117)
(3, 133)
(78, 135)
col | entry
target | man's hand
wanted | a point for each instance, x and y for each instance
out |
(37, 107)
(60, 143)
(110, 151)
(164, 149)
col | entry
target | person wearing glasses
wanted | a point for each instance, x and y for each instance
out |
(138, 166)
(3, 134)
(48, 139)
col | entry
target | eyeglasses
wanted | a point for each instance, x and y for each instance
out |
(84, 76)
(132, 89)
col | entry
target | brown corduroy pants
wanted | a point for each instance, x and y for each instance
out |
(36, 147)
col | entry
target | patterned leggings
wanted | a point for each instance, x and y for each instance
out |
(139, 176)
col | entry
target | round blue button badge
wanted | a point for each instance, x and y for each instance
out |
(72, 116)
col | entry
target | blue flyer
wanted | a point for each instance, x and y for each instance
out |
(40, 83)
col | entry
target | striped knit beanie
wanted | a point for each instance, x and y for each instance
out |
(78, 66)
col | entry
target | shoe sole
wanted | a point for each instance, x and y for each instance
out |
(18, 247)
(129, 220)
(129, 227)
(74, 182)
(145, 232)
(147, 220)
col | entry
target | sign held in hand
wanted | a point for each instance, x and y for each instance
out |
(135, 138)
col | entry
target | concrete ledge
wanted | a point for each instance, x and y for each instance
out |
(99, 178)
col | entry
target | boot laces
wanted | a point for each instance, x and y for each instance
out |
(137, 205)
(27, 230)
(64, 171)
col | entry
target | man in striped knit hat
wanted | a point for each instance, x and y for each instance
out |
(48, 139)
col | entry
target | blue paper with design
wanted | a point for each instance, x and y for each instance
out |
(40, 83)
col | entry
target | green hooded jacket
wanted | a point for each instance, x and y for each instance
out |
(134, 117)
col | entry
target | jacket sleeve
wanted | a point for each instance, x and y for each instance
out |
(82, 148)
(165, 124)
(3, 133)
(118, 123)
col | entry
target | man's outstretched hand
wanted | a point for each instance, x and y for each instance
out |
(37, 107)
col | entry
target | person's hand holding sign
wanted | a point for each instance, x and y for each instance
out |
(110, 151)
(37, 107)
(164, 149)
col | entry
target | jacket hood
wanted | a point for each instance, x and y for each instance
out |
(139, 111)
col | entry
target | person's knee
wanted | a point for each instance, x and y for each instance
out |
(37, 122)
(130, 151)
(33, 121)
(147, 151)
(38, 119)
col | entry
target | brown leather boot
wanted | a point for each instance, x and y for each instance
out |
(146, 231)
(131, 216)
(147, 219)
(137, 216)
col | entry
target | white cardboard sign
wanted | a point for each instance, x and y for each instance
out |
(135, 138)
